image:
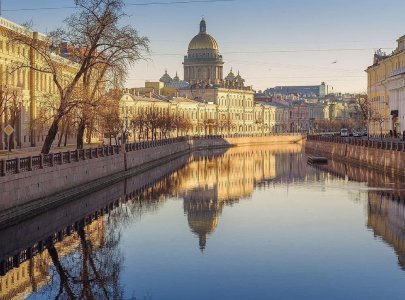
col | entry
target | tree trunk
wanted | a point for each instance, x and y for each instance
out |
(89, 133)
(50, 137)
(60, 138)
(1, 135)
(66, 135)
(80, 134)
(63, 126)
(11, 141)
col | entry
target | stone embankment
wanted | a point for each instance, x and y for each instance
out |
(33, 234)
(45, 181)
(386, 156)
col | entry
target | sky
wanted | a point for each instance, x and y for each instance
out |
(271, 42)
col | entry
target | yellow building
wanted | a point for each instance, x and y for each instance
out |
(212, 103)
(37, 94)
(386, 90)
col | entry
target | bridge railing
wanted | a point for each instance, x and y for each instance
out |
(376, 144)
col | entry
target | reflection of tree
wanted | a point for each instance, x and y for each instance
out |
(92, 271)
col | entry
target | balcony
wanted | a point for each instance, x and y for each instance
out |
(397, 72)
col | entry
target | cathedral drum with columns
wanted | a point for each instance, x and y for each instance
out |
(203, 62)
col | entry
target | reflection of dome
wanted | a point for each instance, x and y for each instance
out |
(202, 214)
(202, 224)
(203, 40)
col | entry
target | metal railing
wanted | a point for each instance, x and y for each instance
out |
(383, 145)
(26, 164)
(154, 143)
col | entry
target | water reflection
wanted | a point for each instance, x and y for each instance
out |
(209, 182)
(85, 263)
(385, 203)
(386, 217)
(84, 260)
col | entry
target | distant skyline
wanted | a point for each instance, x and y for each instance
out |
(274, 42)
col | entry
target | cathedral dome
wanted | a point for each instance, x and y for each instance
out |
(203, 41)
(165, 78)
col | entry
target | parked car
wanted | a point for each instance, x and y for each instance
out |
(344, 132)
(357, 133)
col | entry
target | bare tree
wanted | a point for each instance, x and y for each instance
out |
(5, 98)
(380, 119)
(366, 110)
(153, 119)
(167, 124)
(138, 124)
(210, 126)
(10, 109)
(96, 40)
(110, 121)
(225, 124)
(182, 124)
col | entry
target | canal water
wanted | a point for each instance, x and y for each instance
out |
(243, 223)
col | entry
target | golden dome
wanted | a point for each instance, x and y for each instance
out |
(203, 41)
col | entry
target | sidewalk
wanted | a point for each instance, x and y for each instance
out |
(32, 151)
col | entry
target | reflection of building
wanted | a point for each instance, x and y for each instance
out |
(386, 210)
(211, 182)
(33, 273)
(386, 217)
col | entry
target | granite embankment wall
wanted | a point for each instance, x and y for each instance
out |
(17, 189)
(30, 231)
(387, 160)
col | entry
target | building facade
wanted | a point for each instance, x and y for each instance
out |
(386, 90)
(25, 93)
(211, 103)
(318, 91)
